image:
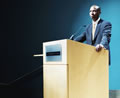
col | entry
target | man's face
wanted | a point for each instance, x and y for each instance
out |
(94, 13)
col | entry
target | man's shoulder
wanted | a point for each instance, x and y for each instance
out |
(89, 25)
(104, 22)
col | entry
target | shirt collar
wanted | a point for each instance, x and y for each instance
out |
(96, 22)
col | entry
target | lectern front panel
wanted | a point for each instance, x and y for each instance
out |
(55, 81)
(55, 52)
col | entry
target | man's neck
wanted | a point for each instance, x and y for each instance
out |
(96, 20)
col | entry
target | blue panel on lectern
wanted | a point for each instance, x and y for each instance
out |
(53, 53)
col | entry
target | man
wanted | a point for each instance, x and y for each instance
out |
(98, 33)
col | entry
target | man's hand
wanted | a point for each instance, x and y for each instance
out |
(99, 47)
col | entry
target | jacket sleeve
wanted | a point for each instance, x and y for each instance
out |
(106, 35)
(81, 37)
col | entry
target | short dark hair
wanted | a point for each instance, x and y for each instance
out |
(97, 7)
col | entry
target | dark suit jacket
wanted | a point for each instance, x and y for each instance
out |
(102, 35)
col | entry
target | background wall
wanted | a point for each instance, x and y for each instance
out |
(26, 24)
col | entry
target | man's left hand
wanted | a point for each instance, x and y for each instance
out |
(99, 47)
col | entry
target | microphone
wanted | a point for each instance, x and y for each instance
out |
(71, 37)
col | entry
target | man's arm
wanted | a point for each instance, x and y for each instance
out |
(81, 38)
(105, 37)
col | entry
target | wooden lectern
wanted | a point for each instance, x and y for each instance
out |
(74, 70)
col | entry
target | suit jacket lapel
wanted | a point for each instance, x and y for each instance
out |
(97, 29)
(90, 33)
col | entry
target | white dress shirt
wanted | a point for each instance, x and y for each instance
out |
(94, 25)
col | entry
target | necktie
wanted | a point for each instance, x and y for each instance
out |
(93, 31)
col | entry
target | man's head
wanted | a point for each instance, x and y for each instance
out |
(95, 12)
